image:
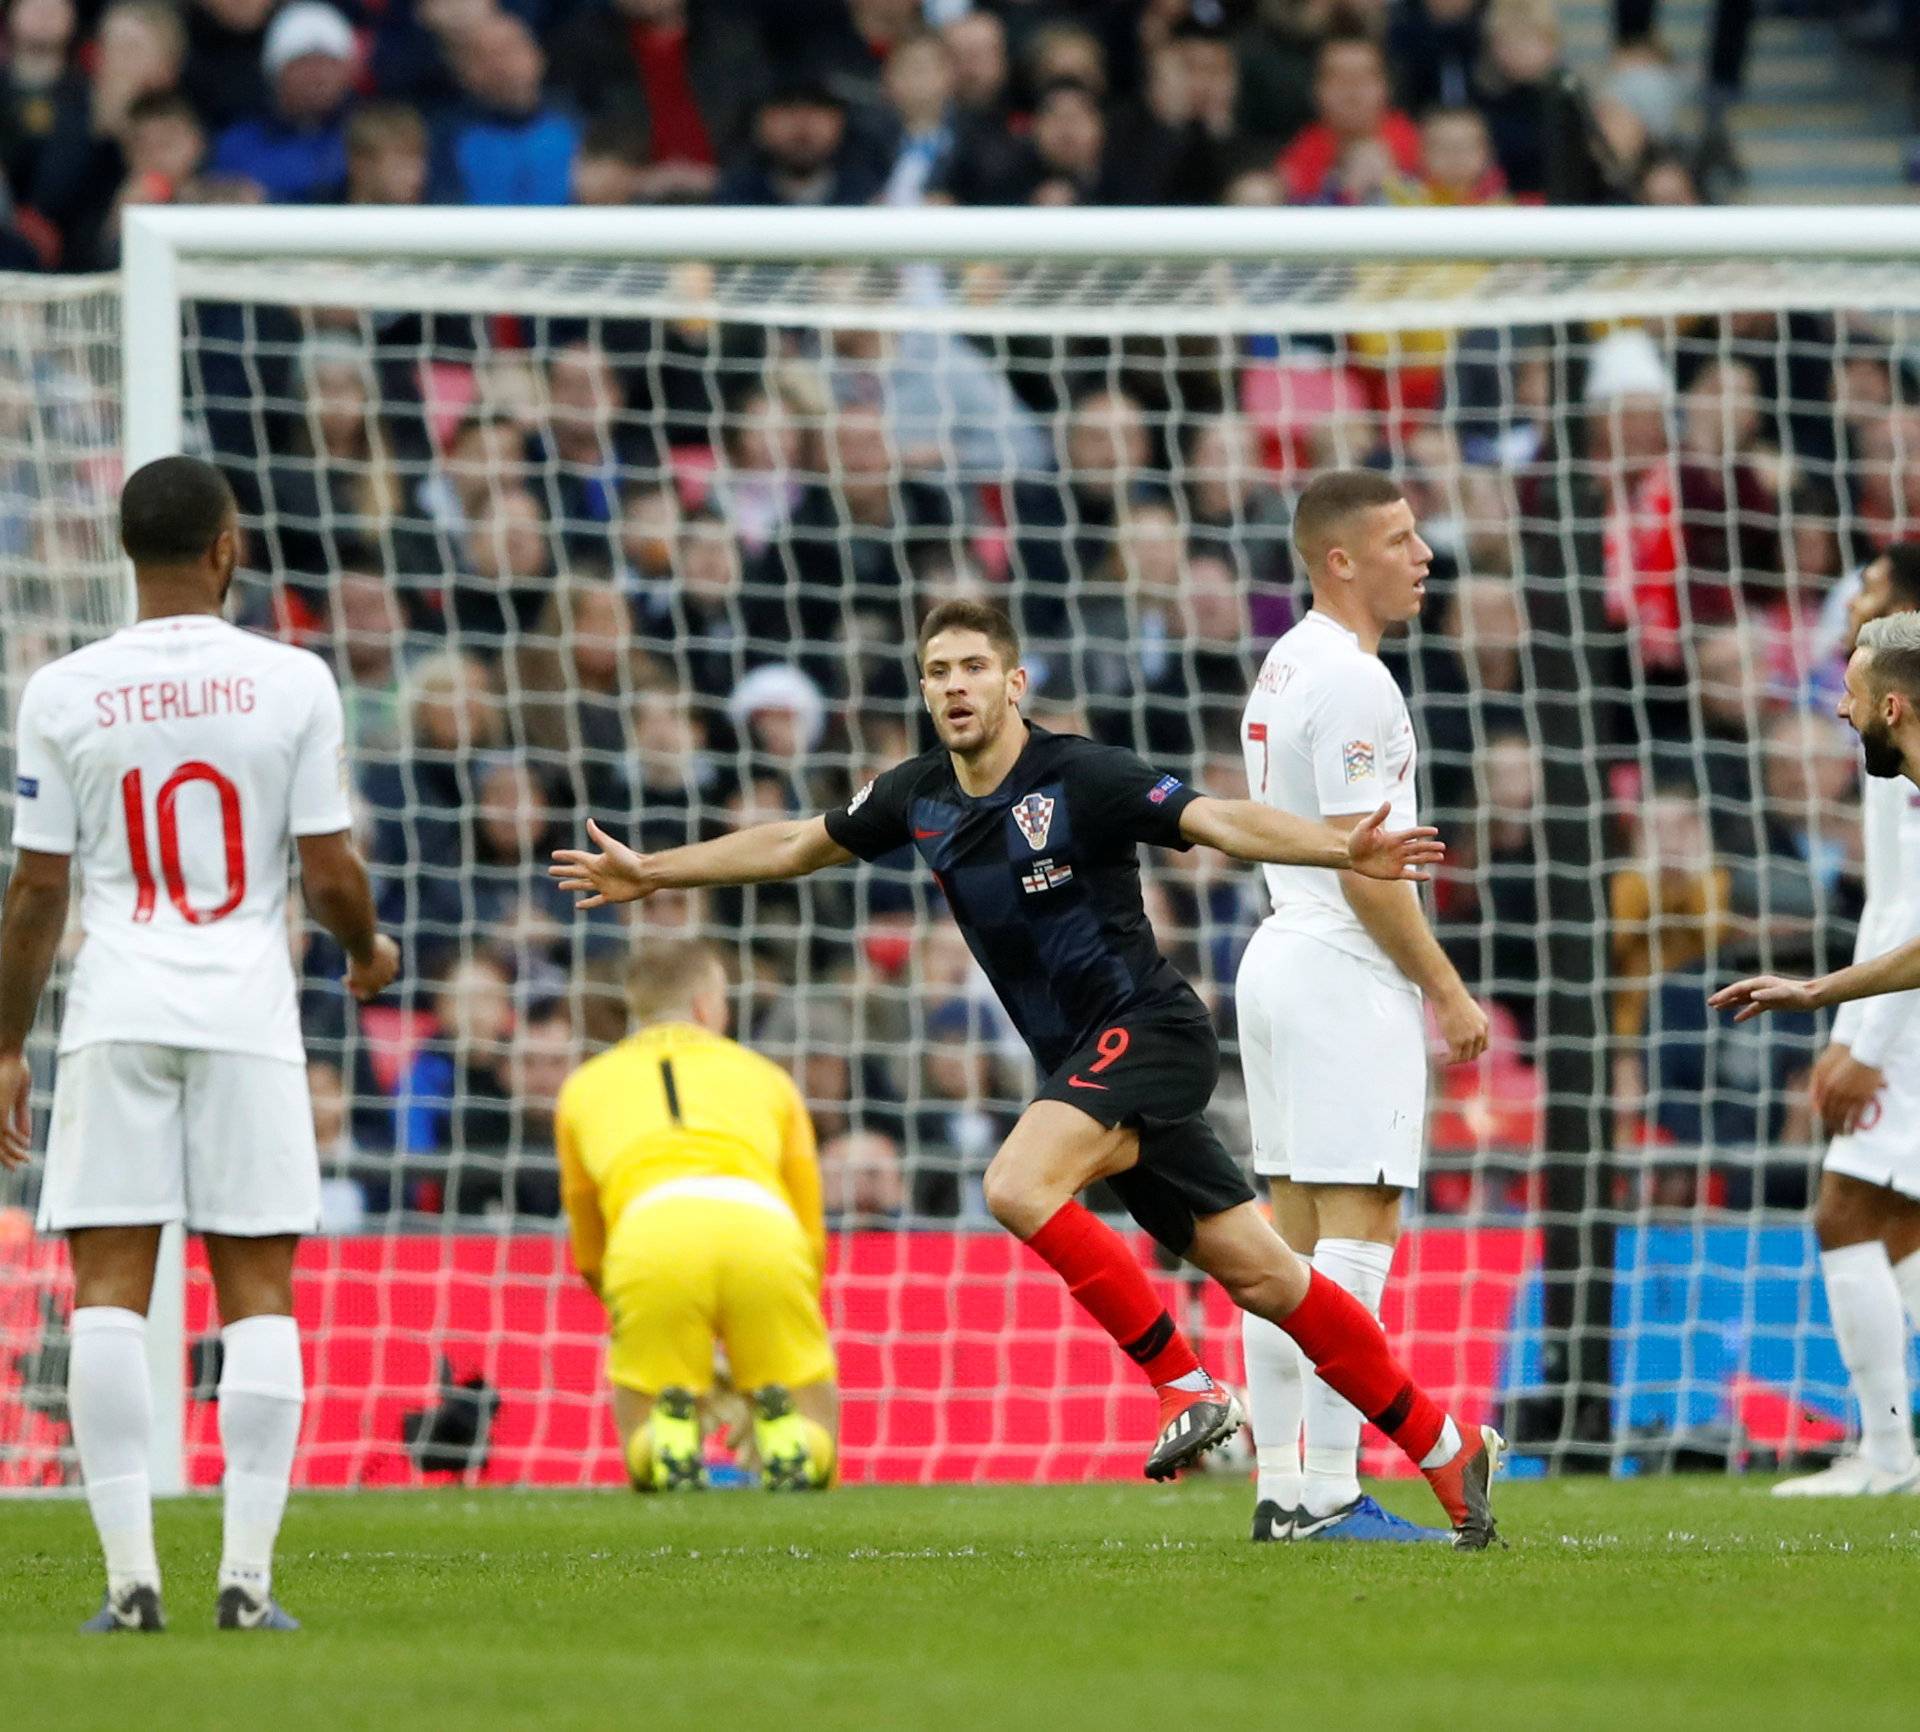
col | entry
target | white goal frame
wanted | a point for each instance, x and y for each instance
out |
(156, 242)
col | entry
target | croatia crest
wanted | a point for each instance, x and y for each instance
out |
(1034, 815)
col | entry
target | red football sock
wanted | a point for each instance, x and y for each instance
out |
(1349, 1350)
(1103, 1275)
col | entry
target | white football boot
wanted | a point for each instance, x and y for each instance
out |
(1851, 1476)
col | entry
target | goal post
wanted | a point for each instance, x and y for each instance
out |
(1455, 347)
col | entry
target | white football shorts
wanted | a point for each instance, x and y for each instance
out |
(1334, 1052)
(222, 1141)
(1885, 1150)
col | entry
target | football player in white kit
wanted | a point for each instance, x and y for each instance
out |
(179, 762)
(1332, 1035)
(1866, 1088)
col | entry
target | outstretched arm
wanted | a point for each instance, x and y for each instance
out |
(616, 873)
(31, 926)
(1897, 971)
(1251, 830)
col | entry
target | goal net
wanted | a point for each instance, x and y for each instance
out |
(584, 534)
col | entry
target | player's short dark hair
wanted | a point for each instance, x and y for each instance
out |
(1329, 500)
(662, 978)
(172, 509)
(1893, 646)
(981, 616)
(1903, 572)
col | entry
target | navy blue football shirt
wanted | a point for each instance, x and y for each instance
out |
(1043, 877)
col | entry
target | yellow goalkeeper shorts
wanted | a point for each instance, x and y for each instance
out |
(696, 1266)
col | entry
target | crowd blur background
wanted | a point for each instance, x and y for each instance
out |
(662, 569)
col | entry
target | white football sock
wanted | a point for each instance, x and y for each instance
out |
(111, 1410)
(1906, 1276)
(1872, 1331)
(1333, 1423)
(261, 1391)
(1276, 1392)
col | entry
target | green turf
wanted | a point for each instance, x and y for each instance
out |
(1671, 1603)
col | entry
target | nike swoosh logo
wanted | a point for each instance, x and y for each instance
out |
(925, 835)
(1074, 1082)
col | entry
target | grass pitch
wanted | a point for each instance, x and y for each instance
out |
(1676, 1603)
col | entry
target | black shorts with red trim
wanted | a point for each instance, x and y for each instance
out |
(1156, 1076)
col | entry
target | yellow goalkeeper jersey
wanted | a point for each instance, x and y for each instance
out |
(676, 1101)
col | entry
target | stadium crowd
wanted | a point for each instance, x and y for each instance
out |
(661, 570)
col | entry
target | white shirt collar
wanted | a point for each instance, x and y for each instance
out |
(1327, 619)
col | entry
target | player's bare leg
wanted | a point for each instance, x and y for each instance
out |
(262, 1390)
(109, 1403)
(1053, 1153)
(1240, 1250)
(1870, 1261)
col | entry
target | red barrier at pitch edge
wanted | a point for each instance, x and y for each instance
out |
(961, 1357)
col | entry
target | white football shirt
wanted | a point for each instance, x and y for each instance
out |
(1327, 735)
(1890, 814)
(174, 761)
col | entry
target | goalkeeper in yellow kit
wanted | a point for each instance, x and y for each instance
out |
(692, 1190)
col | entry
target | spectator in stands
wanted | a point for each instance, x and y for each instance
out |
(780, 718)
(1457, 151)
(336, 497)
(1065, 527)
(950, 412)
(1434, 48)
(164, 145)
(82, 165)
(1353, 107)
(298, 151)
(591, 445)
(36, 83)
(1670, 912)
(344, 1201)
(918, 83)
(803, 153)
(610, 166)
(419, 798)
(675, 786)
(757, 483)
(700, 617)
(507, 567)
(454, 1099)
(510, 845)
(226, 77)
(1235, 509)
(577, 672)
(862, 1185)
(1515, 89)
(366, 634)
(682, 375)
(1666, 177)
(485, 452)
(977, 40)
(388, 155)
(1802, 886)
(1628, 399)
(506, 144)
(1065, 160)
(1492, 918)
(962, 1116)
(649, 527)
(1474, 679)
(679, 77)
(849, 553)
(1729, 495)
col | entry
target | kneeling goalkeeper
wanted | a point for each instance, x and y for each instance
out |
(692, 1191)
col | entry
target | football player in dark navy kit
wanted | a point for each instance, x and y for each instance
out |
(1033, 837)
